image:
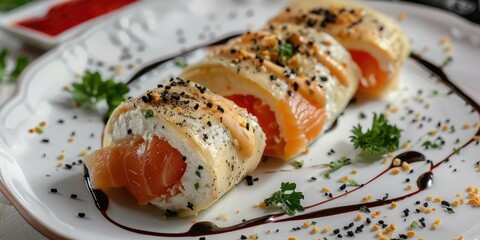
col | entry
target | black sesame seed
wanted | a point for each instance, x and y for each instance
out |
(243, 237)
(196, 106)
(343, 187)
(209, 105)
(247, 126)
(249, 180)
(45, 140)
(295, 86)
(81, 215)
(324, 78)
(336, 231)
(129, 131)
(202, 238)
(53, 190)
(425, 204)
(73, 196)
(219, 108)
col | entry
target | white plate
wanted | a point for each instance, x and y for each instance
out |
(40, 8)
(28, 167)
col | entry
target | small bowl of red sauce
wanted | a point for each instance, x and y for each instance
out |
(48, 23)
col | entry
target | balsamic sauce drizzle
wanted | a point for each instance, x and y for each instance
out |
(209, 228)
(160, 62)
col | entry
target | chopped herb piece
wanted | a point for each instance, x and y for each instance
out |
(285, 50)
(190, 205)
(380, 139)
(457, 150)
(414, 224)
(297, 163)
(447, 61)
(327, 175)
(335, 165)
(198, 174)
(180, 62)
(289, 202)
(452, 129)
(314, 223)
(435, 92)
(149, 113)
(353, 183)
(93, 89)
(197, 185)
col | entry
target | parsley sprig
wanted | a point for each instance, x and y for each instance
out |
(286, 198)
(20, 64)
(93, 89)
(381, 138)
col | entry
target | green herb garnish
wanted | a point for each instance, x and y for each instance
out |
(149, 113)
(297, 163)
(20, 64)
(198, 174)
(7, 5)
(447, 61)
(434, 144)
(196, 185)
(414, 224)
(380, 139)
(335, 165)
(285, 50)
(180, 62)
(327, 175)
(456, 150)
(289, 202)
(353, 183)
(93, 89)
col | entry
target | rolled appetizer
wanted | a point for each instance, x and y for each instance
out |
(179, 147)
(296, 81)
(377, 44)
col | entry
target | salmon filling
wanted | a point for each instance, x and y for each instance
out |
(147, 169)
(371, 71)
(307, 123)
(266, 119)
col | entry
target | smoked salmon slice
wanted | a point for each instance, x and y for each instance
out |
(148, 169)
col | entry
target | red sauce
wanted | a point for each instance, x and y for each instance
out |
(68, 14)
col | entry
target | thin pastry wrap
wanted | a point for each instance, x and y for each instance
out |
(295, 80)
(377, 44)
(179, 147)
